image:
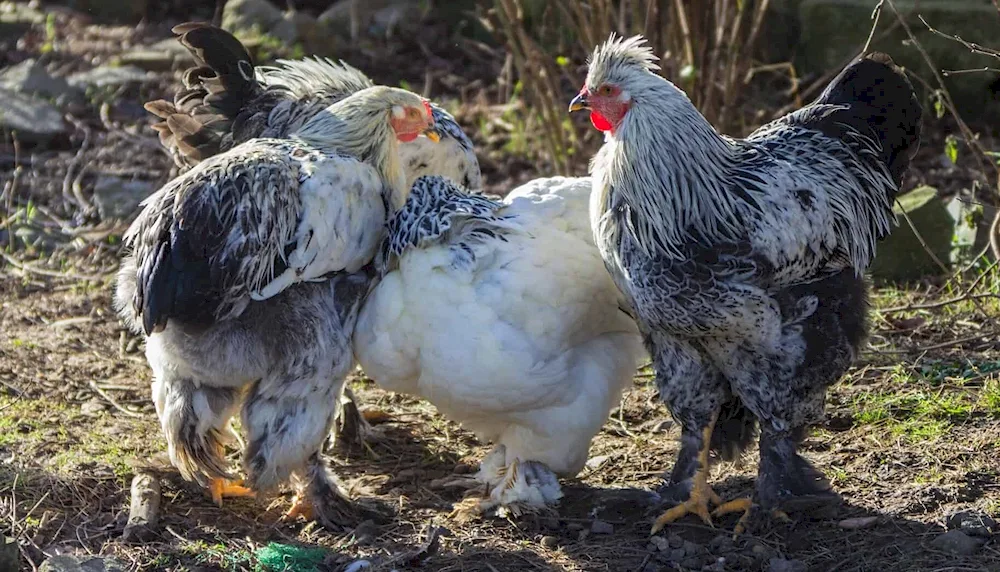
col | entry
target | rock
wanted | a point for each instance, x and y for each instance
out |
(973, 523)
(260, 16)
(718, 566)
(601, 527)
(550, 542)
(828, 34)
(31, 117)
(675, 540)
(693, 548)
(721, 543)
(972, 228)
(595, 462)
(782, 565)
(660, 543)
(677, 554)
(693, 562)
(901, 257)
(858, 523)
(164, 55)
(109, 75)
(10, 556)
(67, 563)
(93, 407)
(119, 198)
(31, 77)
(958, 542)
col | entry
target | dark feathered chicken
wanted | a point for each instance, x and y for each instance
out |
(227, 101)
(743, 258)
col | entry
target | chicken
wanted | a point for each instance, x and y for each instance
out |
(502, 315)
(743, 258)
(247, 273)
(226, 101)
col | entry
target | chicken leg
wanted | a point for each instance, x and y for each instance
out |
(519, 487)
(221, 488)
(701, 493)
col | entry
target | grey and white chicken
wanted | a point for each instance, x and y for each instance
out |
(246, 274)
(744, 258)
(503, 316)
(226, 101)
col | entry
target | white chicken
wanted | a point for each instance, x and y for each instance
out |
(246, 274)
(503, 316)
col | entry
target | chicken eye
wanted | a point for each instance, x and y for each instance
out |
(605, 90)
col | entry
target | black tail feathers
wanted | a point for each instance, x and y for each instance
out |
(196, 125)
(882, 99)
(735, 430)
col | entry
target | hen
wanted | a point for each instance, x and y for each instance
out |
(246, 274)
(743, 258)
(502, 315)
(226, 101)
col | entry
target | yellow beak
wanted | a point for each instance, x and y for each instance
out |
(432, 133)
(579, 102)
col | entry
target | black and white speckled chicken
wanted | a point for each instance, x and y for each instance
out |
(743, 259)
(226, 101)
(246, 274)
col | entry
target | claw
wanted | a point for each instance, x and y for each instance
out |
(300, 507)
(221, 488)
(736, 505)
(701, 496)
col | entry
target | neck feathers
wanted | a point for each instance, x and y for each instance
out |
(666, 170)
(360, 130)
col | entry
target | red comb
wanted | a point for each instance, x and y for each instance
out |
(427, 106)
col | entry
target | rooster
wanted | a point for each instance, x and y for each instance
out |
(502, 315)
(247, 273)
(743, 258)
(226, 101)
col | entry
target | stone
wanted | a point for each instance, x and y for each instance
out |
(973, 523)
(901, 257)
(103, 76)
(595, 462)
(93, 407)
(30, 77)
(259, 16)
(32, 118)
(164, 55)
(675, 540)
(660, 543)
(783, 565)
(601, 527)
(858, 523)
(549, 542)
(116, 197)
(830, 31)
(10, 555)
(677, 554)
(68, 563)
(958, 543)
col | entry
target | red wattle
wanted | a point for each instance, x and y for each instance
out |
(600, 122)
(407, 137)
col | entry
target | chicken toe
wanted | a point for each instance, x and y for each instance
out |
(221, 488)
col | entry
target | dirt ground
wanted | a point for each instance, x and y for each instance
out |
(912, 435)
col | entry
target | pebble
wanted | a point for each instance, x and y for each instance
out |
(858, 523)
(758, 549)
(677, 554)
(67, 563)
(32, 118)
(601, 527)
(973, 523)
(660, 543)
(783, 565)
(550, 542)
(675, 541)
(958, 542)
(721, 543)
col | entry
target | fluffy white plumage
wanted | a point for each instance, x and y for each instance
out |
(503, 316)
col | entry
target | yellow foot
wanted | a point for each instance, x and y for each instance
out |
(471, 508)
(221, 488)
(736, 505)
(697, 505)
(300, 507)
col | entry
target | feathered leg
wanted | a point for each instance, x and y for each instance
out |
(516, 486)
(353, 427)
(693, 391)
(195, 421)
